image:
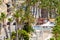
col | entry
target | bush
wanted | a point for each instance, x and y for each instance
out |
(23, 34)
(28, 28)
(13, 36)
(51, 38)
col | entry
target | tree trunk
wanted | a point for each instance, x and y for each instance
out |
(17, 29)
(9, 31)
(4, 26)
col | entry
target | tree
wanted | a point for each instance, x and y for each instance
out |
(3, 17)
(29, 20)
(49, 5)
(33, 4)
(23, 35)
(16, 17)
(27, 17)
(28, 28)
(10, 20)
(56, 32)
(56, 29)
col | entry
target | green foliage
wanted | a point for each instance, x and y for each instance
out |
(59, 38)
(16, 15)
(27, 27)
(58, 20)
(3, 16)
(21, 33)
(56, 29)
(33, 2)
(24, 34)
(8, 39)
(13, 36)
(51, 38)
(0, 2)
(10, 19)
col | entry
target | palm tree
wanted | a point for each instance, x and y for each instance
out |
(3, 17)
(29, 19)
(10, 20)
(17, 16)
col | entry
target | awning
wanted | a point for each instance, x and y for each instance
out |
(48, 24)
